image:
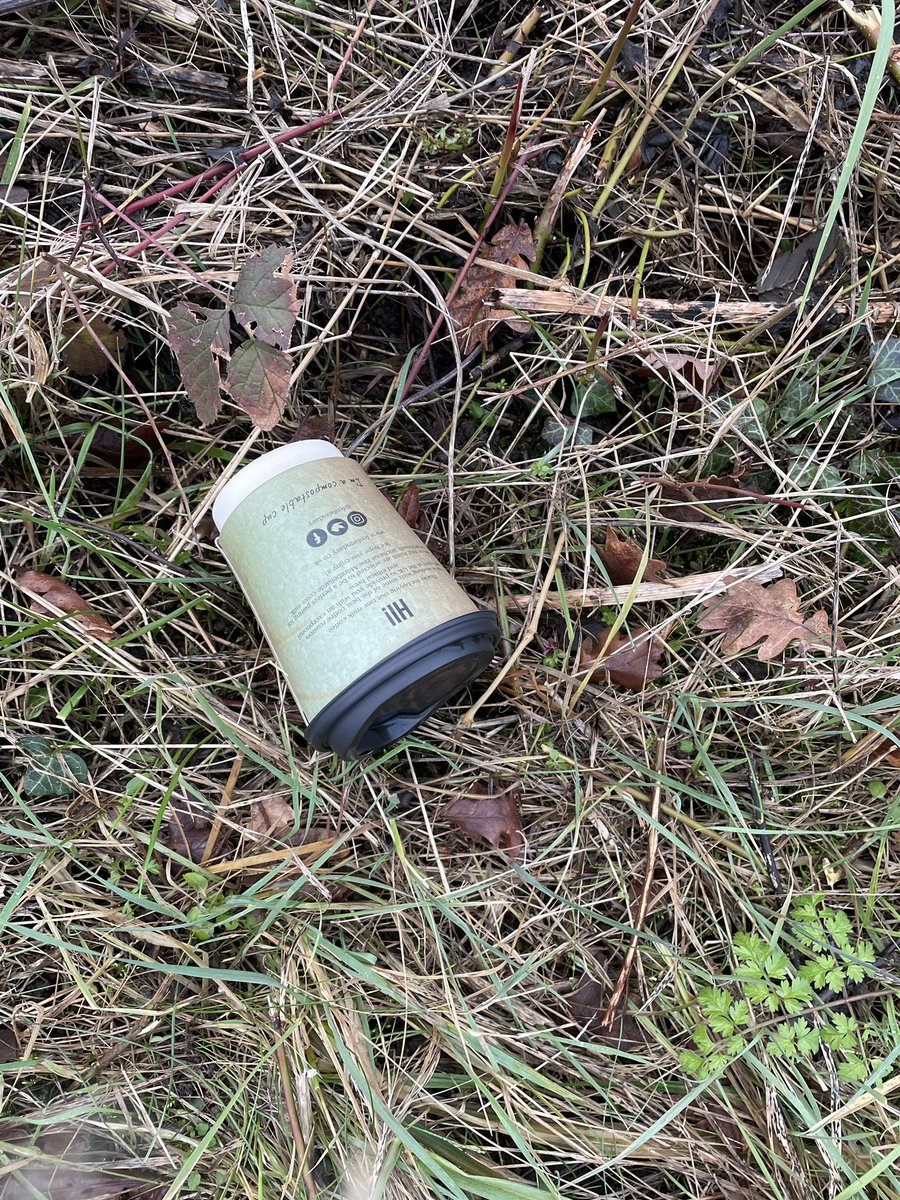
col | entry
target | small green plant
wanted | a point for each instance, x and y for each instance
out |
(767, 984)
(448, 139)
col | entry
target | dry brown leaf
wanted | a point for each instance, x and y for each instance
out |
(81, 354)
(718, 492)
(312, 427)
(9, 1046)
(188, 832)
(409, 506)
(632, 662)
(271, 817)
(748, 613)
(622, 559)
(688, 367)
(65, 598)
(513, 246)
(490, 815)
(588, 1005)
(131, 452)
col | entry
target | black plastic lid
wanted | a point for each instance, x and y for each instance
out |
(398, 693)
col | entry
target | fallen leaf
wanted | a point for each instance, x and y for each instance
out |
(489, 815)
(622, 559)
(81, 354)
(131, 451)
(718, 492)
(9, 1046)
(188, 832)
(748, 613)
(409, 506)
(258, 379)
(271, 817)
(632, 662)
(65, 598)
(785, 278)
(265, 297)
(513, 246)
(52, 771)
(588, 1005)
(692, 370)
(313, 427)
(197, 336)
(13, 194)
(67, 1163)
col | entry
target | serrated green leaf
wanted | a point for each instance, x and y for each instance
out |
(739, 1012)
(834, 978)
(757, 991)
(258, 379)
(852, 1069)
(692, 1063)
(265, 297)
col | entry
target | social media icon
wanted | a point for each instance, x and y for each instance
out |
(337, 526)
(317, 537)
(357, 518)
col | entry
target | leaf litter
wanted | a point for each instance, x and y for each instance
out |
(749, 613)
(490, 813)
(65, 598)
(622, 557)
(471, 310)
(630, 661)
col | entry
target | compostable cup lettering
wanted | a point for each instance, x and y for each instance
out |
(370, 631)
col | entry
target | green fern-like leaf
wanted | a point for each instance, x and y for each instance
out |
(807, 1038)
(852, 1069)
(693, 1063)
(840, 1033)
(783, 1042)
(795, 995)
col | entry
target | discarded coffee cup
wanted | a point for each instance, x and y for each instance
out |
(371, 632)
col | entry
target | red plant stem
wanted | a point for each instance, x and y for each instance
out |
(153, 239)
(420, 358)
(218, 168)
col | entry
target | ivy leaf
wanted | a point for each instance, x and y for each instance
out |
(52, 772)
(265, 297)
(258, 379)
(197, 336)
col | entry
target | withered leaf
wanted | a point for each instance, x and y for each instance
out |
(271, 817)
(312, 427)
(786, 277)
(588, 1005)
(265, 297)
(688, 367)
(197, 336)
(13, 194)
(131, 451)
(80, 352)
(490, 815)
(9, 1047)
(632, 662)
(718, 492)
(258, 379)
(409, 506)
(513, 245)
(67, 600)
(189, 830)
(748, 613)
(621, 556)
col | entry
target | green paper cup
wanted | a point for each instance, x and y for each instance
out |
(371, 632)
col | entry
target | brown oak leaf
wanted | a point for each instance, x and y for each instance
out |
(622, 559)
(491, 815)
(632, 662)
(470, 308)
(271, 817)
(67, 600)
(748, 613)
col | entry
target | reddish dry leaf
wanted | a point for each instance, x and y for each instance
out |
(490, 815)
(588, 1005)
(197, 336)
(622, 559)
(81, 354)
(188, 832)
(718, 492)
(265, 296)
(632, 662)
(748, 613)
(312, 427)
(513, 245)
(409, 506)
(259, 377)
(67, 600)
